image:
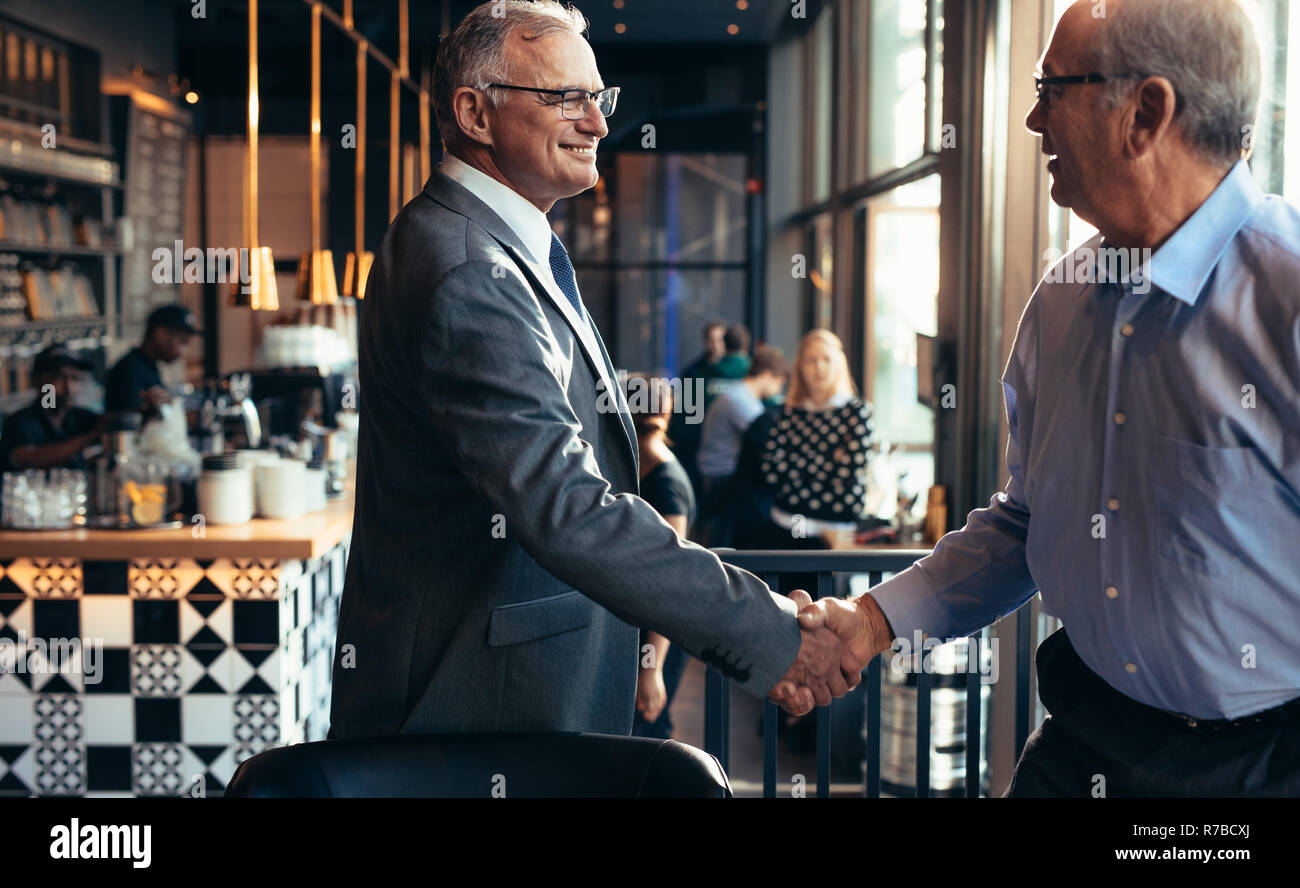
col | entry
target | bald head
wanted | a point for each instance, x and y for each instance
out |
(1166, 112)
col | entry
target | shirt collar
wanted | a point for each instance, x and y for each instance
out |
(1183, 264)
(528, 222)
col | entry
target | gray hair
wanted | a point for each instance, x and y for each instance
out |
(1206, 48)
(474, 54)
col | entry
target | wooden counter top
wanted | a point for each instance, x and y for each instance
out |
(300, 538)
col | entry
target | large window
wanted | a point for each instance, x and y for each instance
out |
(898, 64)
(868, 235)
(675, 261)
(902, 249)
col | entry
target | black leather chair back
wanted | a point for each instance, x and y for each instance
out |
(520, 765)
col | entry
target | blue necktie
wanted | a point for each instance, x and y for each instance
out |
(562, 271)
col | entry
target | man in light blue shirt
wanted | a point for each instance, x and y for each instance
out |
(733, 410)
(1154, 449)
(725, 423)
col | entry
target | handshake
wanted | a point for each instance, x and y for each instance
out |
(839, 639)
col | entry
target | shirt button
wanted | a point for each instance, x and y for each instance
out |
(1119, 418)
(1130, 667)
(1112, 592)
(1112, 504)
(1126, 330)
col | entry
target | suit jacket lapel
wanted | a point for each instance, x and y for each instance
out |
(455, 196)
(587, 336)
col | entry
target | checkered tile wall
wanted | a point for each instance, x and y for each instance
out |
(190, 667)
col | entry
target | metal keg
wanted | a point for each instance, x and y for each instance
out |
(948, 666)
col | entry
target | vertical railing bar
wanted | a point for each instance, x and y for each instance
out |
(771, 712)
(872, 788)
(974, 700)
(1024, 648)
(824, 713)
(717, 700)
(922, 733)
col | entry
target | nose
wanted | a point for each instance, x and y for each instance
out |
(1036, 119)
(593, 122)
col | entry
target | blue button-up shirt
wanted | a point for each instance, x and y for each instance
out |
(1154, 458)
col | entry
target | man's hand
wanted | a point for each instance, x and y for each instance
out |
(154, 396)
(651, 695)
(859, 622)
(825, 667)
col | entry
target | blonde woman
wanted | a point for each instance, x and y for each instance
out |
(806, 461)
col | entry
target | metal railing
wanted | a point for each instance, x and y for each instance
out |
(770, 566)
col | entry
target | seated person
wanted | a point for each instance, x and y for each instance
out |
(728, 417)
(50, 432)
(666, 487)
(803, 465)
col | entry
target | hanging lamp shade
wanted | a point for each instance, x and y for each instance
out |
(356, 268)
(259, 291)
(317, 283)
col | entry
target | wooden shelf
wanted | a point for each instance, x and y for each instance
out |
(79, 250)
(12, 170)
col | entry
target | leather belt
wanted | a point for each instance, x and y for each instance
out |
(1282, 714)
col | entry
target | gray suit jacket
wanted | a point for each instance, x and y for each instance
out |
(501, 558)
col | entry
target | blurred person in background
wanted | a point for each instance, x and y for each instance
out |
(802, 466)
(51, 432)
(684, 428)
(731, 367)
(135, 382)
(666, 487)
(715, 348)
(728, 417)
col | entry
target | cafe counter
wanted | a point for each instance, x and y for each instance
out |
(153, 662)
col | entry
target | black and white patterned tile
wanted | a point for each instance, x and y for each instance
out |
(46, 577)
(60, 750)
(164, 769)
(257, 724)
(156, 670)
(165, 578)
(246, 578)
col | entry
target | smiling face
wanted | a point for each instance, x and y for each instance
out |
(542, 155)
(1081, 138)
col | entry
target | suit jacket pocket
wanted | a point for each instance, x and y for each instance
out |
(540, 618)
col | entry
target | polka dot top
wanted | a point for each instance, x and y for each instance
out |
(815, 461)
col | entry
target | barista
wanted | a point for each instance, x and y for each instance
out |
(50, 432)
(135, 383)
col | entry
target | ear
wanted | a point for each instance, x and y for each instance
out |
(1151, 115)
(473, 114)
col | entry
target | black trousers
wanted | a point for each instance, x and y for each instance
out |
(1097, 741)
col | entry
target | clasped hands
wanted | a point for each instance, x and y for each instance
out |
(839, 639)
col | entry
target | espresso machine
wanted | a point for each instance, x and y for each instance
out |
(228, 418)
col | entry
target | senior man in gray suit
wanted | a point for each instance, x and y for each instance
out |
(501, 560)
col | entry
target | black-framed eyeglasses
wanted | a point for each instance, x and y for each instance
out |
(573, 102)
(1043, 85)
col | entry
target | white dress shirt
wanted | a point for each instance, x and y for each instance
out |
(525, 220)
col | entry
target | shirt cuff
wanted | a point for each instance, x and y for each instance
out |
(910, 604)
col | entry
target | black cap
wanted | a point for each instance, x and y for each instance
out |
(172, 317)
(55, 357)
